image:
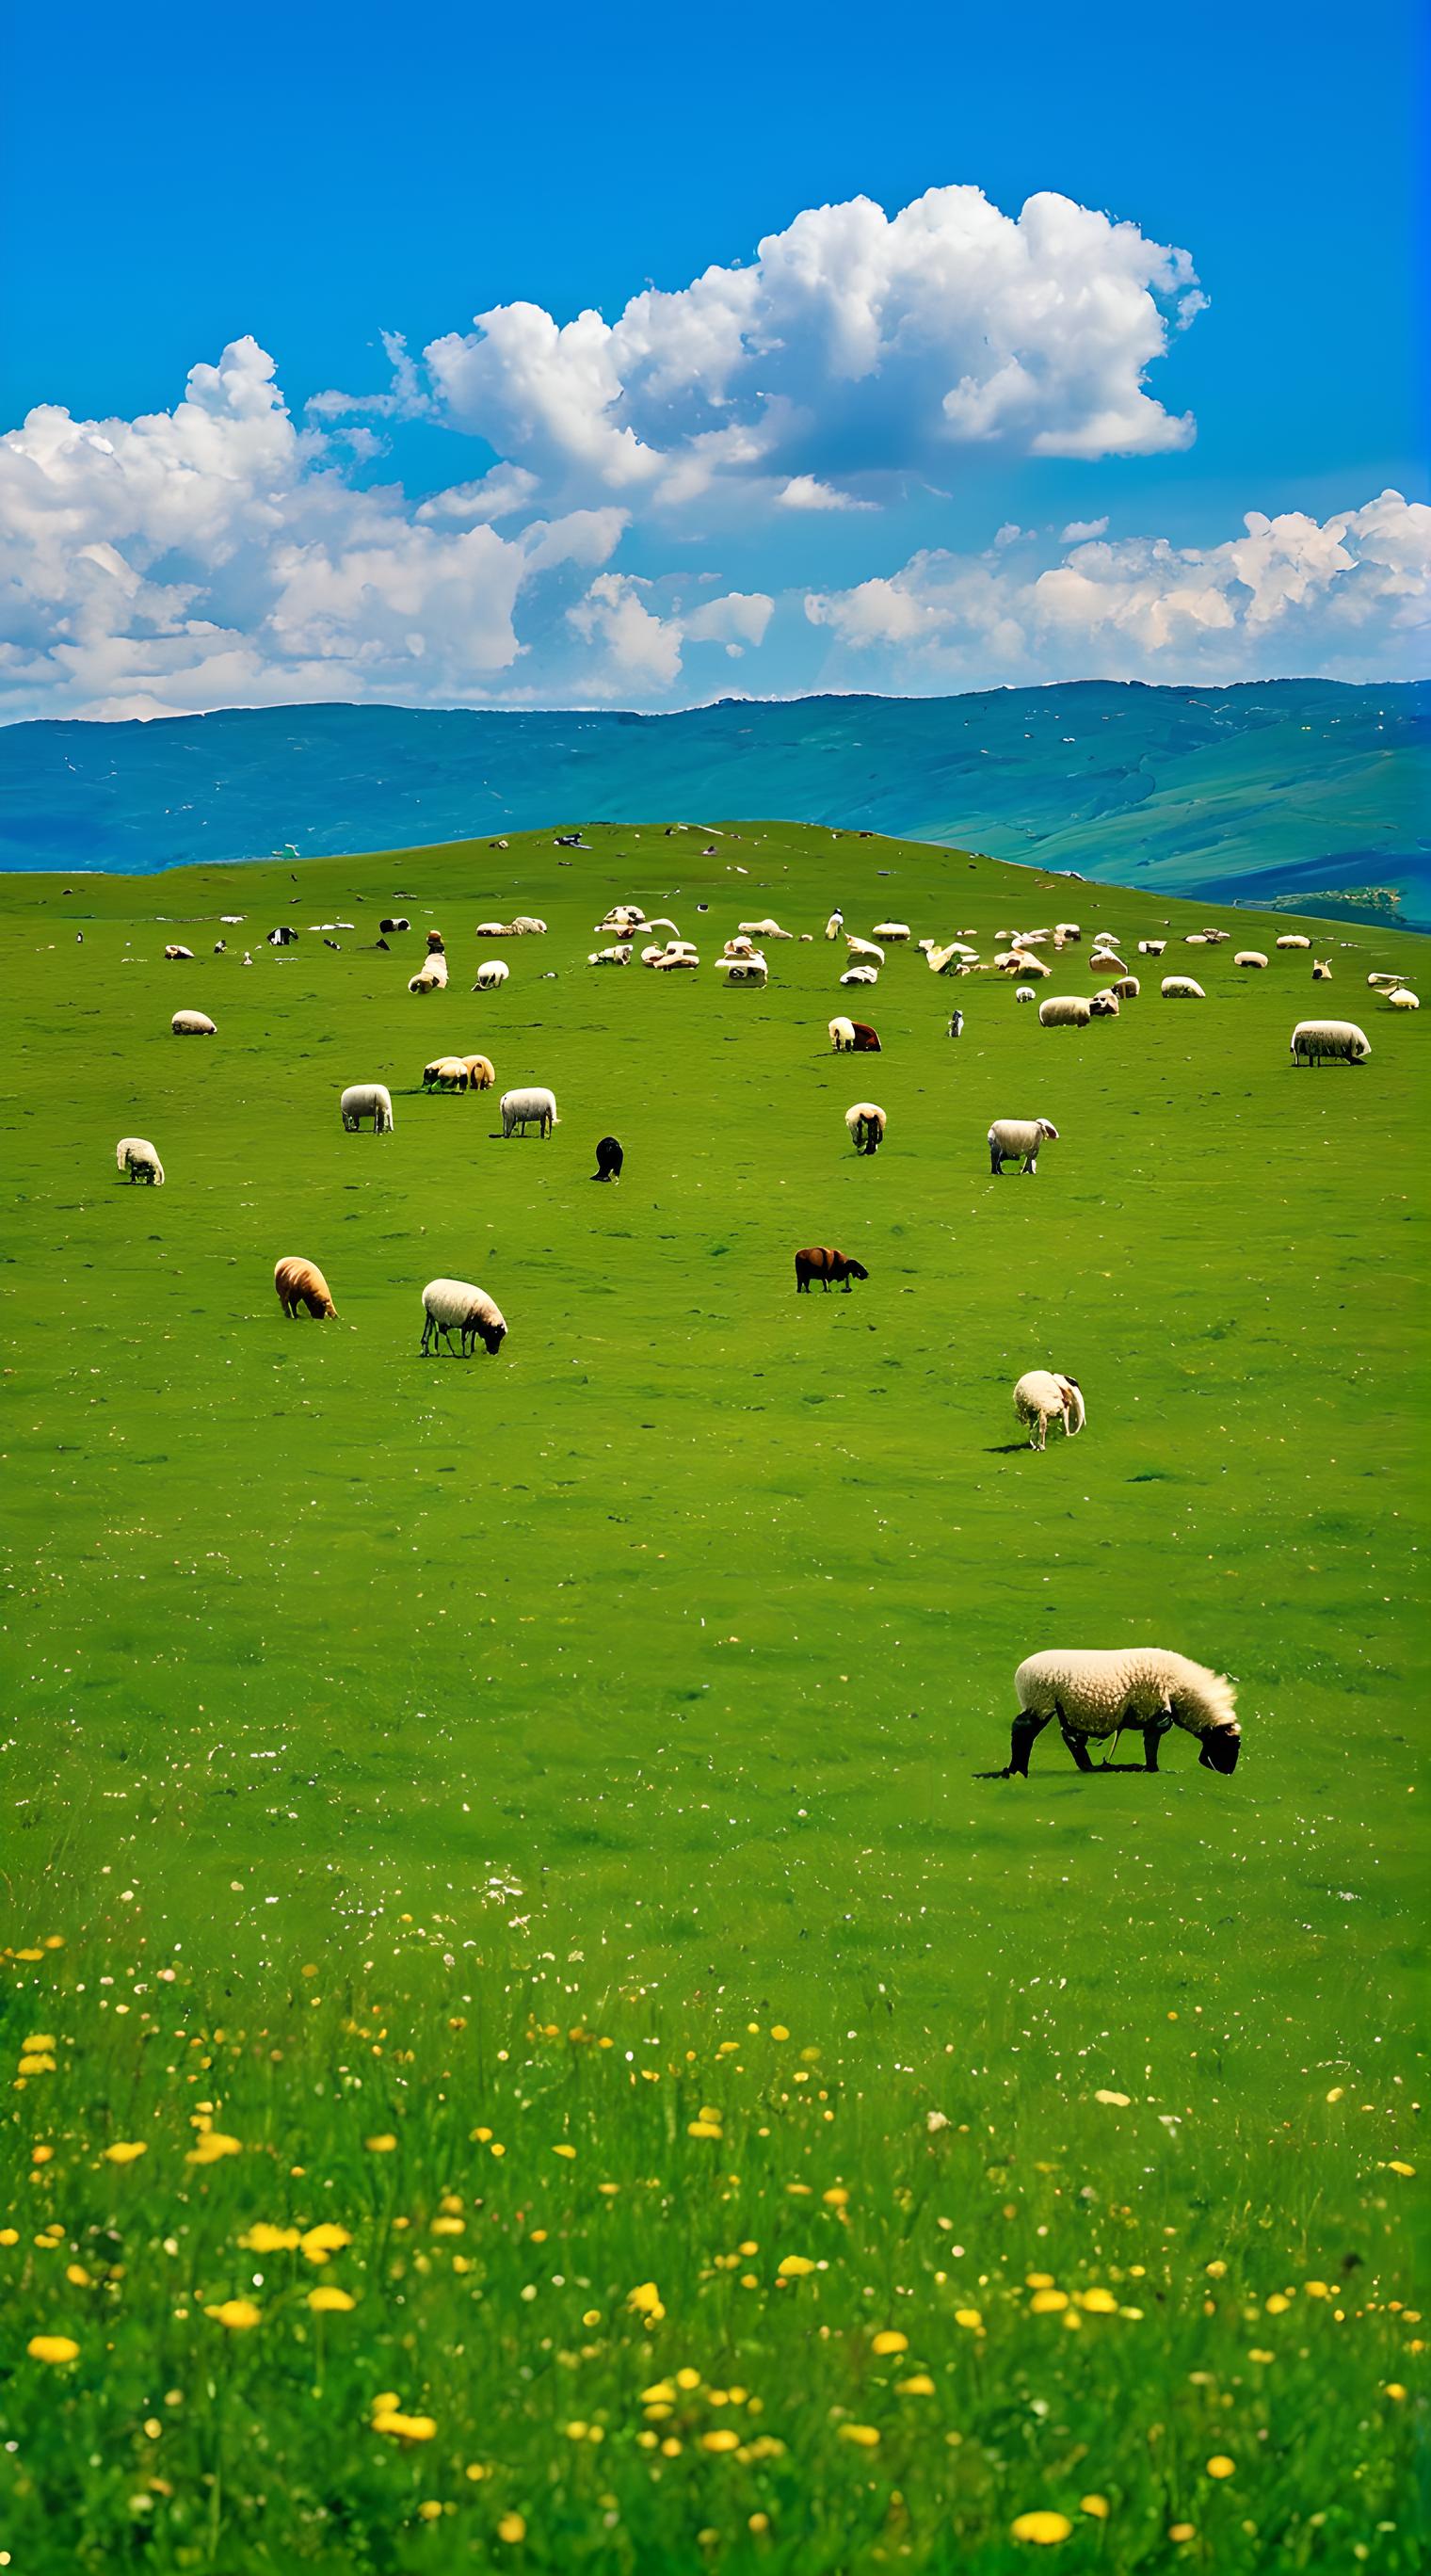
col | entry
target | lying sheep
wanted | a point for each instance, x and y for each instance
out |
(1042, 1397)
(455, 1306)
(302, 1289)
(1025, 993)
(174, 954)
(1181, 988)
(866, 1123)
(492, 972)
(1024, 963)
(445, 1073)
(1151, 947)
(1250, 957)
(1019, 1139)
(897, 931)
(821, 1261)
(743, 970)
(742, 946)
(1321, 970)
(1329, 1042)
(763, 930)
(620, 956)
(363, 1100)
(1064, 1011)
(1105, 1005)
(523, 1109)
(860, 975)
(842, 1036)
(1104, 962)
(495, 930)
(1098, 1694)
(136, 1156)
(1067, 930)
(392, 922)
(1127, 988)
(677, 961)
(1294, 939)
(192, 1024)
(1403, 999)
(528, 925)
(866, 951)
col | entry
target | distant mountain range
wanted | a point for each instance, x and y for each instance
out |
(1306, 794)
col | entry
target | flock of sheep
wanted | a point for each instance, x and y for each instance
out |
(1093, 1695)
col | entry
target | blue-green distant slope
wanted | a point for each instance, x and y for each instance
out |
(1303, 792)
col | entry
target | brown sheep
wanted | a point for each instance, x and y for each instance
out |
(480, 1073)
(821, 1261)
(301, 1284)
(866, 1039)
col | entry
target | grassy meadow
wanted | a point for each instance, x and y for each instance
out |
(534, 2042)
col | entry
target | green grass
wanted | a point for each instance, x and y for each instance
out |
(637, 1684)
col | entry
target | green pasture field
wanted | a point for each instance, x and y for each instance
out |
(588, 1749)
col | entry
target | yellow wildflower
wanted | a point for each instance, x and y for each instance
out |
(646, 2300)
(794, 2267)
(404, 2428)
(237, 2314)
(330, 2301)
(381, 2146)
(865, 2435)
(262, 2238)
(52, 2348)
(125, 2151)
(512, 2528)
(1182, 2531)
(1099, 2303)
(1395, 2164)
(1120, 2102)
(1096, 2505)
(720, 2440)
(321, 2241)
(921, 2385)
(568, 2152)
(211, 2147)
(1048, 2303)
(1045, 2528)
(969, 2318)
(889, 2339)
(1220, 2466)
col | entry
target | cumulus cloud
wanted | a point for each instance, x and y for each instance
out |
(1348, 597)
(1078, 530)
(805, 492)
(855, 343)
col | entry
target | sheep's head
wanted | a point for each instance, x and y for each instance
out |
(857, 1270)
(1221, 1746)
(493, 1336)
(1048, 1132)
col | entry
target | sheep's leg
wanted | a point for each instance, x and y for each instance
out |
(1030, 1166)
(1027, 1728)
(1154, 1730)
(996, 1164)
(1075, 1740)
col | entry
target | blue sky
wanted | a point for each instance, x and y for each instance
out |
(184, 182)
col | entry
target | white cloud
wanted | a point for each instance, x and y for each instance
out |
(856, 341)
(637, 652)
(805, 492)
(1079, 530)
(1349, 597)
(740, 618)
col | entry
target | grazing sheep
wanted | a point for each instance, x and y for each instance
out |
(821, 1261)
(1151, 947)
(192, 1024)
(136, 1156)
(895, 931)
(1025, 993)
(956, 1024)
(1403, 999)
(303, 1289)
(1104, 962)
(1098, 1694)
(609, 956)
(1181, 988)
(445, 1073)
(173, 954)
(1022, 963)
(842, 1036)
(609, 1159)
(490, 974)
(523, 1109)
(763, 930)
(431, 976)
(1294, 939)
(834, 925)
(1321, 970)
(1199, 939)
(1042, 1397)
(454, 1306)
(866, 1038)
(220, 946)
(1127, 988)
(480, 1075)
(1329, 1041)
(1064, 1011)
(866, 1123)
(1019, 1139)
(860, 975)
(367, 1100)
(1105, 1005)
(392, 922)
(1249, 957)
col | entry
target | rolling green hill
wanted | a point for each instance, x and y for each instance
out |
(532, 1816)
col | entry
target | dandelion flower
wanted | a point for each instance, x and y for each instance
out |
(1220, 2466)
(794, 2267)
(688, 2378)
(645, 2299)
(126, 2151)
(512, 2528)
(262, 2238)
(969, 2318)
(1182, 2531)
(1119, 2102)
(703, 2129)
(889, 2339)
(1045, 2528)
(778, 2030)
(1394, 2166)
(43, 2064)
(319, 2242)
(52, 2348)
(720, 2440)
(211, 2147)
(1048, 2303)
(1336, 2093)
(429, 2509)
(1257, 2355)
(836, 2197)
(865, 2435)
(1098, 2303)
(330, 2301)
(568, 2152)
(1096, 2505)
(403, 2428)
(381, 2146)
(1394, 2388)
(237, 2314)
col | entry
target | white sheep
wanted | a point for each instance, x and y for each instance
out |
(192, 1024)
(176, 954)
(1127, 988)
(1250, 957)
(1042, 1397)
(1294, 939)
(866, 1123)
(866, 950)
(763, 930)
(1403, 999)
(136, 1156)
(492, 973)
(495, 930)
(1181, 988)
(1098, 1694)
(842, 1036)
(367, 1100)
(1064, 1011)
(1067, 930)
(522, 1109)
(895, 931)
(1024, 962)
(1382, 982)
(956, 1024)
(1199, 939)
(455, 1306)
(431, 976)
(741, 946)
(1105, 1005)
(742, 970)
(1151, 947)
(1329, 1041)
(834, 925)
(1025, 993)
(860, 975)
(446, 1073)
(527, 925)
(1321, 970)
(1013, 1140)
(675, 959)
(610, 956)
